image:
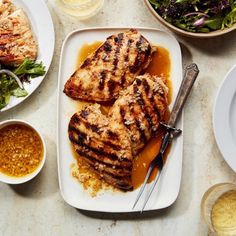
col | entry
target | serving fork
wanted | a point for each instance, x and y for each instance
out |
(190, 75)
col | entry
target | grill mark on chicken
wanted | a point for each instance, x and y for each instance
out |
(2, 47)
(94, 128)
(102, 80)
(147, 89)
(122, 114)
(111, 85)
(142, 102)
(122, 80)
(84, 114)
(103, 160)
(130, 126)
(159, 99)
(136, 123)
(129, 43)
(146, 86)
(119, 43)
(112, 145)
(150, 106)
(5, 37)
(126, 60)
(155, 107)
(82, 137)
(91, 159)
(112, 176)
(121, 183)
(142, 133)
(75, 119)
(124, 178)
(81, 142)
(86, 63)
(112, 135)
(139, 57)
(107, 47)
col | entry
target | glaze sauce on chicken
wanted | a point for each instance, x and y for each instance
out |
(161, 66)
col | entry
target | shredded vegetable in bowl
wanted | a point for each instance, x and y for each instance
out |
(200, 16)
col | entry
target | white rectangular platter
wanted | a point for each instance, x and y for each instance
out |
(72, 191)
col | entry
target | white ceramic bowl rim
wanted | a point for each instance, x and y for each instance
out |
(19, 180)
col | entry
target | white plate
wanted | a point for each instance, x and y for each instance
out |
(72, 191)
(42, 26)
(224, 118)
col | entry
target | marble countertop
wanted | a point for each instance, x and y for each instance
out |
(37, 208)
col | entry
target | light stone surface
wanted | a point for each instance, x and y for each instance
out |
(37, 208)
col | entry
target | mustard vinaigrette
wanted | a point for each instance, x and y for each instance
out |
(223, 214)
(21, 150)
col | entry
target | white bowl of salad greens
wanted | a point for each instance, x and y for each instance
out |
(196, 18)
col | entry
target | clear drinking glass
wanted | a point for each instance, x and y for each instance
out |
(83, 9)
(225, 209)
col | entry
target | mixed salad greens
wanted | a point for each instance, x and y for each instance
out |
(197, 15)
(12, 79)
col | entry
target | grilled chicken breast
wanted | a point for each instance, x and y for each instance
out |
(109, 143)
(16, 38)
(105, 146)
(140, 109)
(111, 68)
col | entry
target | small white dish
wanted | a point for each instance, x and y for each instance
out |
(224, 118)
(42, 26)
(72, 191)
(20, 180)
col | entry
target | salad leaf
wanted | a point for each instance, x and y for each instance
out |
(18, 92)
(4, 100)
(214, 23)
(31, 68)
(154, 3)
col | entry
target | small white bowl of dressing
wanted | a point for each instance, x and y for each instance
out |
(23, 152)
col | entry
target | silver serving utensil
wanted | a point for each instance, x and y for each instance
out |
(191, 73)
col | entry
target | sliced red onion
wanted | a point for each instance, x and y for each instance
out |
(10, 73)
(199, 22)
(196, 13)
